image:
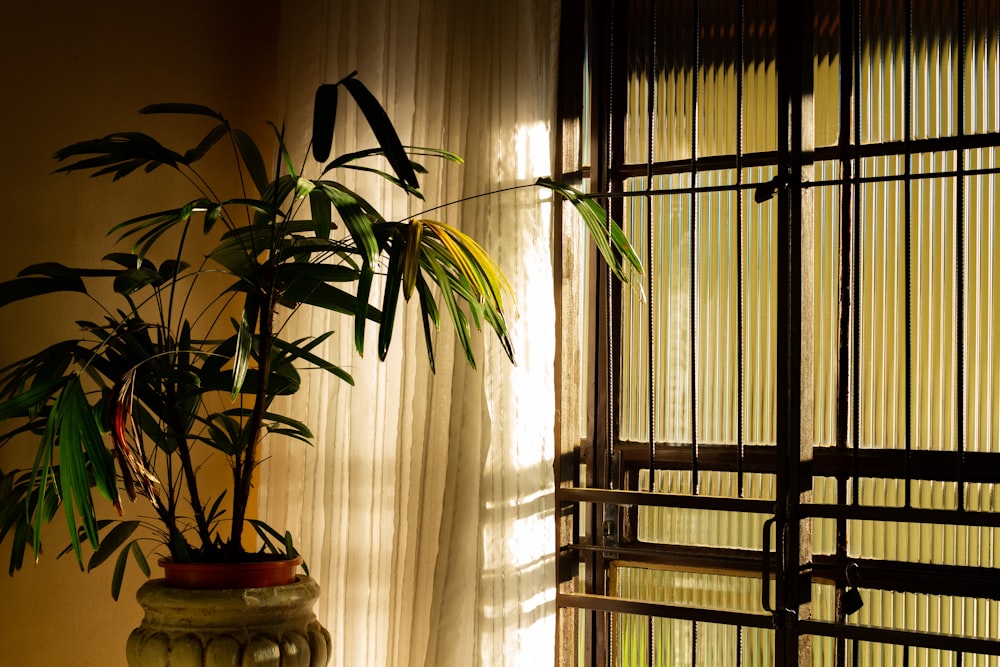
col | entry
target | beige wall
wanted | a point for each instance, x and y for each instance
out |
(77, 70)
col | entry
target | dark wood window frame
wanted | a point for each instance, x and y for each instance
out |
(590, 542)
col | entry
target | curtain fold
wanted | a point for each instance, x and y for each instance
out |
(426, 507)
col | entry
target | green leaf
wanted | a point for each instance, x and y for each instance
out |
(119, 154)
(17, 548)
(293, 175)
(458, 318)
(357, 214)
(430, 316)
(324, 120)
(411, 257)
(319, 205)
(76, 431)
(27, 287)
(604, 231)
(130, 282)
(212, 138)
(296, 351)
(140, 558)
(224, 434)
(252, 160)
(328, 297)
(244, 341)
(390, 299)
(119, 574)
(361, 315)
(214, 512)
(102, 465)
(298, 282)
(22, 403)
(178, 547)
(383, 129)
(181, 108)
(295, 426)
(57, 270)
(41, 475)
(347, 158)
(266, 532)
(114, 539)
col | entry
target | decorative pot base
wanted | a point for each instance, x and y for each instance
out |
(243, 627)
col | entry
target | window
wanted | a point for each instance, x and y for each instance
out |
(798, 409)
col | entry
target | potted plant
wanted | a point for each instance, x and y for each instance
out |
(189, 357)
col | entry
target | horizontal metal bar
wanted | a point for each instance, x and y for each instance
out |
(827, 461)
(874, 574)
(820, 154)
(685, 558)
(900, 514)
(660, 610)
(648, 499)
(960, 643)
(678, 456)
(910, 577)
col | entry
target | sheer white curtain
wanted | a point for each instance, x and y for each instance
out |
(426, 508)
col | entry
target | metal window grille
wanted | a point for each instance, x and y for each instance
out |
(798, 407)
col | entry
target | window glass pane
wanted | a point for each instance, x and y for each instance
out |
(982, 301)
(674, 81)
(882, 71)
(982, 66)
(826, 73)
(718, 104)
(709, 528)
(934, 77)
(760, 81)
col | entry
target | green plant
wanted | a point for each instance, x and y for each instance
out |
(133, 400)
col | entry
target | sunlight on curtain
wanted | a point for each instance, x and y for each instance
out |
(426, 508)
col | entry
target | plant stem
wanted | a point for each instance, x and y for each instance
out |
(190, 478)
(244, 475)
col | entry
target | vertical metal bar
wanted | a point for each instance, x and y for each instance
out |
(907, 220)
(960, 259)
(741, 69)
(693, 246)
(566, 462)
(857, 248)
(651, 81)
(848, 242)
(694, 643)
(602, 62)
(795, 432)
(614, 25)
(651, 242)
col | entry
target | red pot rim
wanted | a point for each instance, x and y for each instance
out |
(253, 574)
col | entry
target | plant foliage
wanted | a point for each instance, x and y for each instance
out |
(125, 406)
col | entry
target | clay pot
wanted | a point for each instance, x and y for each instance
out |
(254, 574)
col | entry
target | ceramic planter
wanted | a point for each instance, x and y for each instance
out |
(272, 626)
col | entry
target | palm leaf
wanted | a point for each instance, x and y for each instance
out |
(111, 542)
(604, 231)
(324, 121)
(252, 159)
(383, 129)
(184, 108)
(244, 341)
